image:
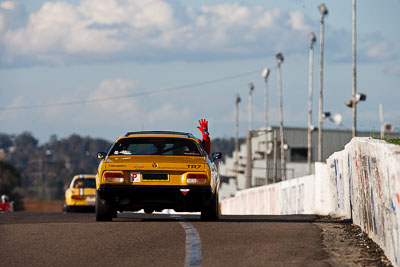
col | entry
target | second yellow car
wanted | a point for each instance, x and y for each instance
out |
(81, 194)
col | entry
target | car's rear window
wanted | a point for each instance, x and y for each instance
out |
(155, 146)
(84, 183)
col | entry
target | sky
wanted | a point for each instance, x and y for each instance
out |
(101, 68)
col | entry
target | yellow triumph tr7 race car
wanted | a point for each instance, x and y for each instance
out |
(81, 194)
(156, 170)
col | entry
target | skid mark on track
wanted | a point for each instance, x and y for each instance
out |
(193, 242)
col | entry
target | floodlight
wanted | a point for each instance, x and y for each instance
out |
(265, 73)
(251, 86)
(279, 57)
(238, 99)
(325, 115)
(312, 37)
(322, 9)
(361, 97)
(285, 146)
(337, 119)
(388, 127)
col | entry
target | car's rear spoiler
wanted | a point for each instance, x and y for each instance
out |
(161, 133)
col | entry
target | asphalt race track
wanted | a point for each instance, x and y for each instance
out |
(135, 239)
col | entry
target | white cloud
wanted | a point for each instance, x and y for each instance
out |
(8, 5)
(138, 14)
(125, 109)
(380, 51)
(393, 70)
(374, 47)
(298, 22)
(12, 15)
(104, 30)
(120, 108)
(168, 112)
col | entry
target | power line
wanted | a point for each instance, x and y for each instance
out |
(132, 95)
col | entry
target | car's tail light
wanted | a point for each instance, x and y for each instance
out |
(77, 197)
(114, 177)
(196, 178)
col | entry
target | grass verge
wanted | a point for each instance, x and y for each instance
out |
(395, 141)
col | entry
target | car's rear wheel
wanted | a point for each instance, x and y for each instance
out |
(211, 212)
(104, 209)
(69, 209)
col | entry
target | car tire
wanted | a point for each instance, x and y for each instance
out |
(211, 212)
(69, 209)
(104, 211)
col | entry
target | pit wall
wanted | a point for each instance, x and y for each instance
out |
(304, 195)
(372, 170)
(360, 183)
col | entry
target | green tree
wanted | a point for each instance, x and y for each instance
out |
(224, 145)
(10, 184)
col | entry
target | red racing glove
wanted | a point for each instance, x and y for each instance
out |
(206, 136)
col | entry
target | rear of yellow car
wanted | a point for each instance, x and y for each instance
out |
(81, 194)
(155, 171)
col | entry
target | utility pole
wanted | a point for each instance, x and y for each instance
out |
(249, 159)
(324, 11)
(381, 120)
(354, 131)
(311, 35)
(274, 173)
(265, 75)
(279, 60)
(251, 89)
(237, 101)
(249, 163)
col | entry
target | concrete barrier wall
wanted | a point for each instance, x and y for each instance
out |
(304, 195)
(320, 194)
(372, 170)
(287, 197)
(360, 182)
(338, 171)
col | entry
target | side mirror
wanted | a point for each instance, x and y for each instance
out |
(216, 155)
(101, 155)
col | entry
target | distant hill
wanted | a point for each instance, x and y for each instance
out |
(46, 170)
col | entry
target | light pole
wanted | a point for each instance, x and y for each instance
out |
(279, 60)
(237, 101)
(324, 11)
(354, 131)
(251, 89)
(311, 35)
(265, 75)
(381, 120)
(249, 165)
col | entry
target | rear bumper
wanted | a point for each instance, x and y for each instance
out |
(124, 197)
(81, 202)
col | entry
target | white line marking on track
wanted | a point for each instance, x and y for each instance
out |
(193, 242)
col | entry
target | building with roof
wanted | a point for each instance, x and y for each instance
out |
(265, 165)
